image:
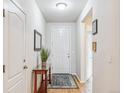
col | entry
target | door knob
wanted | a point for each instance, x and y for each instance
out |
(25, 67)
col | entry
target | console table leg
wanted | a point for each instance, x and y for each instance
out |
(50, 75)
(42, 79)
(35, 84)
(46, 82)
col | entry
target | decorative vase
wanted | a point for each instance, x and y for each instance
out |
(43, 64)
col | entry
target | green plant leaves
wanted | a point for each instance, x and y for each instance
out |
(44, 54)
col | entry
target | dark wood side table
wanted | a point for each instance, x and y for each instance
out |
(43, 71)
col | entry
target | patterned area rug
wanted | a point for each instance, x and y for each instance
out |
(63, 81)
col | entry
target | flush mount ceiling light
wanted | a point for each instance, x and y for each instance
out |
(61, 6)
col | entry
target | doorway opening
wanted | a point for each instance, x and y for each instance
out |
(88, 74)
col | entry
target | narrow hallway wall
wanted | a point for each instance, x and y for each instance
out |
(106, 59)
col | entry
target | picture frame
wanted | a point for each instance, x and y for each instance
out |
(37, 40)
(94, 46)
(95, 27)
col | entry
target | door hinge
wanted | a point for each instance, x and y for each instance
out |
(24, 60)
(3, 12)
(3, 68)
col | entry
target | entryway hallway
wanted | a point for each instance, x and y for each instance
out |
(47, 37)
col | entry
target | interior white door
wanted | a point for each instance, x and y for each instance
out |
(60, 49)
(14, 49)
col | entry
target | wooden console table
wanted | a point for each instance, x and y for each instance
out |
(43, 71)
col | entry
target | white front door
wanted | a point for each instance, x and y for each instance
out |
(60, 49)
(14, 49)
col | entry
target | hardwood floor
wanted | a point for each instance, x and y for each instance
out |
(80, 90)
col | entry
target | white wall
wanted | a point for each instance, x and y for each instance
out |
(106, 59)
(73, 41)
(34, 20)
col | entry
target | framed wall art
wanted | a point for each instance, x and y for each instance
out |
(37, 41)
(95, 27)
(94, 46)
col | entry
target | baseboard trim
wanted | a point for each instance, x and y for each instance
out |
(78, 78)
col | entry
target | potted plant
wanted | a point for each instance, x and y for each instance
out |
(44, 56)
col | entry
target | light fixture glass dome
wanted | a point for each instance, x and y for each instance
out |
(61, 6)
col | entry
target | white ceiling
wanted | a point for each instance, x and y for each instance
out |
(53, 14)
